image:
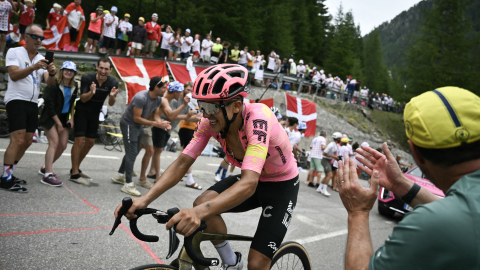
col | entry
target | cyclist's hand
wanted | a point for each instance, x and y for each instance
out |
(41, 64)
(390, 174)
(137, 203)
(187, 222)
(114, 92)
(93, 88)
(355, 198)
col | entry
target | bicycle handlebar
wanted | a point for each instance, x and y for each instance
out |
(163, 218)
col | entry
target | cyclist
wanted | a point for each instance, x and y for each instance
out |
(254, 141)
(95, 88)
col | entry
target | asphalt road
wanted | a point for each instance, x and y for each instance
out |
(67, 227)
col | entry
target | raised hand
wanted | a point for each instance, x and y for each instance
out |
(41, 64)
(51, 68)
(93, 88)
(186, 99)
(114, 92)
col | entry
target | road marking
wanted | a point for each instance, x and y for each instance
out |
(309, 221)
(211, 164)
(67, 155)
(320, 237)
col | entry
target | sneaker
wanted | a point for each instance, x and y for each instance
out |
(134, 174)
(130, 189)
(325, 192)
(310, 184)
(146, 184)
(42, 170)
(15, 188)
(218, 177)
(119, 179)
(237, 266)
(83, 175)
(80, 180)
(51, 180)
(18, 180)
(153, 176)
(319, 189)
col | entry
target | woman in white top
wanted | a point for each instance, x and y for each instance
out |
(175, 42)
(165, 46)
(207, 45)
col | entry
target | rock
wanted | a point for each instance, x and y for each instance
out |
(5, 77)
(2, 93)
(2, 77)
(3, 70)
(379, 131)
(3, 86)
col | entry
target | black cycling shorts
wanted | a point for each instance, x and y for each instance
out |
(159, 137)
(92, 35)
(278, 200)
(22, 115)
(186, 135)
(121, 44)
(108, 43)
(86, 124)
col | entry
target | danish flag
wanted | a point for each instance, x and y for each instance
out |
(305, 111)
(58, 37)
(185, 72)
(136, 73)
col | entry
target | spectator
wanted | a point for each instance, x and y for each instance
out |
(95, 88)
(26, 68)
(124, 31)
(278, 64)
(293, 67)
(142, 105)
(350, 89)
(438, 233)
(257, 63)
(235, 54)
(175, 43)
(250, 59)
(207, 45)
(154, 33)
(75, 17)
(196, 48)
(242, 60)
(285, 67)
(301, 69)
(400, 163)
(217, 48)
(317, 146)
(110, 27)
(56, 120)
(95, 29)
(139, 37)
(271, 61)
(364, 92)
(329, 154)
(6, 7)
(27, 15)
(187, 42)
(53, 17)
(329, 81)
(165, 47)
(223, 57)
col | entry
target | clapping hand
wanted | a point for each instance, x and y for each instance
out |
(160, 123)
(93, 88)
(114, 92)
(186, 99)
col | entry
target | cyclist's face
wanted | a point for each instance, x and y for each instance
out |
(217, 120)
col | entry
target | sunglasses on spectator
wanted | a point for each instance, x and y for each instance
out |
(36, 37)
(69, 70)
(210, 108)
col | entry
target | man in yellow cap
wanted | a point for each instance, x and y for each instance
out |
(139, 37)
(124, 31)
(443, 128)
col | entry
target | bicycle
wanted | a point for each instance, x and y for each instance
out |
(290, 255)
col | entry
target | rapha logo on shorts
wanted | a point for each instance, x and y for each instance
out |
(273, 246)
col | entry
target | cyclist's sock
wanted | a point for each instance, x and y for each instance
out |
(7, 170)
(226, 253)
(190, 180)
(224, 173)
(219, 169)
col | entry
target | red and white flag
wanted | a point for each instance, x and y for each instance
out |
(182, 74)
(136, 73)
(305, 111)
(268, 102)
(59, 36)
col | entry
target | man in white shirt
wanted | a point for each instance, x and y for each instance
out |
(271, 62)
(328, 154)
(242, 60)
(125, 29)
(329, 80)
(187, 41)
(316, 153)
(301, 69)
(207, 45)
(293, 67)
(293, 135)
(26, 68)
(110, 27)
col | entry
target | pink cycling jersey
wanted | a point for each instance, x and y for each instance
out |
(267, 148)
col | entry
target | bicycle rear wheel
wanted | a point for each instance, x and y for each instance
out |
(291, 255)
(155, 267)
(105, 131)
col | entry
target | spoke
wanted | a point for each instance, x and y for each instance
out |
(296, 263)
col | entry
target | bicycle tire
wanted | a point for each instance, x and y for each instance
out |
(108, 126)
(291, 254)
(154, 267)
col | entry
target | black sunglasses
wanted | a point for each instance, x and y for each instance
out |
(36, 37)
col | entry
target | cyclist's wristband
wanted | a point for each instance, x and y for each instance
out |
(411, 193)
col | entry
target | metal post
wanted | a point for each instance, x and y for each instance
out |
(300, 86)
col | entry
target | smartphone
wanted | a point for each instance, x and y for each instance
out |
(69, 125)
(49, 56)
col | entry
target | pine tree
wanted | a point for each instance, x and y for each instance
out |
(300, 31)
(319, 20)
(375, 74)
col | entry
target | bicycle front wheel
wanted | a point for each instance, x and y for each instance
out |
(291, 255)
(155, 267)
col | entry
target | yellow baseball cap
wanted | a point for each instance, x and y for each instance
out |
(443, 118)
(126, 15)
(106, 11)
(344, 140)
(141, 19)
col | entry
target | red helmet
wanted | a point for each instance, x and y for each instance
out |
(222, 82)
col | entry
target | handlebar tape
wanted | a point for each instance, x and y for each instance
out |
(139, 235)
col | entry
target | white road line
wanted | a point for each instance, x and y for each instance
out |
(321, 237)
(310, 221)
(66, 154)
(214, 165)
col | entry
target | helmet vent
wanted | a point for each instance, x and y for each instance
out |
(225, 67)
(205, 89)
(213, 74)
(238, 74)
(235, 88)
(218, 87)
(208, 70)
(197, 91)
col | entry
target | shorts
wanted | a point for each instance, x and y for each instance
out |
(277, 199)
(137, 46)
(64, 119)
(316, 165)
(334, 168)
(121, 44)
(108, 43)
(22, 115)
(175, 49)
(73, 34)
(159, 137)
(163, 53)
(150, 46)
(186, 136)
(196, 53)
(92, 35)
(3, 32)
(22, 28)
(327, 167)
(269, 70)
(184, 55)
(147, 137)
(86, 124)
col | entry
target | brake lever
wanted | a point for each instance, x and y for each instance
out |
(173, 240)
(126, 204)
